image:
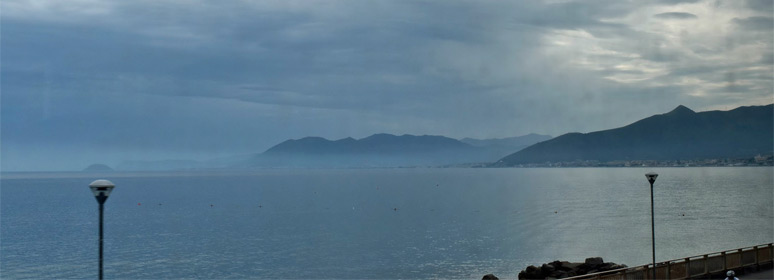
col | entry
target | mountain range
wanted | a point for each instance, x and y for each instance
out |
(681, 134)
(378, 150)
(506, 146)
(377, 144)
(382, 150)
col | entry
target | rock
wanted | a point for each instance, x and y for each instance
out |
(594, 261)
(558, 274)
(570, 265)
(618, 266)
(490, 277)
(563, 269)
(532, 272)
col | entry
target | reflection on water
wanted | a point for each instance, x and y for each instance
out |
(373, 223)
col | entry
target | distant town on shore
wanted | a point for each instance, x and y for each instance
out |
(758, 160)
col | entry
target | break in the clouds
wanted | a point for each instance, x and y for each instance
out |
(87, 81)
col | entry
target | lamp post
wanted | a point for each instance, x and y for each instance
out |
(101, 190)
(651, 179)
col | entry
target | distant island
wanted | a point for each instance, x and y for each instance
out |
(677, 138)
(98, 167)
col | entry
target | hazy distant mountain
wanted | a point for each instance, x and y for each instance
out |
(377, 150)
(159, 165)
(98, 167)
(182, 164)
(374, 144)
(679, 134)
(507, 145)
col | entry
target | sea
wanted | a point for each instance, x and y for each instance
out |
(403, 223)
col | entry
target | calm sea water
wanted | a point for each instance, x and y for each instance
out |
(385, 223)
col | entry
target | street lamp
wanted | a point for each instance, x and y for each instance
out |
(101, 190)
(651, 179)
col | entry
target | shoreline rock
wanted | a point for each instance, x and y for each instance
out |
(563, 269)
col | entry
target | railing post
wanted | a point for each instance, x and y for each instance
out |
(687, 267)
(771, 252)
(741, 260)
(706, 269)
(669, 270)
(652, 272)
(755, 254)
(725, 261)
(647, 275)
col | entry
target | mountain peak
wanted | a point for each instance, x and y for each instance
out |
(681, 110)
(380, 135)
(681, 134)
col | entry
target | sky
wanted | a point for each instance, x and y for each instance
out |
(85, 81)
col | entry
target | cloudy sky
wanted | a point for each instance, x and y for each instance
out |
(87, 81)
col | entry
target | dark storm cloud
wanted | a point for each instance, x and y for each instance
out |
(675, 15)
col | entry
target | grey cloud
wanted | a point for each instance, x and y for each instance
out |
(755, 23)
(675, 2)
(576, 15)
(675, 15)
(734, 88)
(709, 71)
(241, 76)
(760, 5)
(767, 59)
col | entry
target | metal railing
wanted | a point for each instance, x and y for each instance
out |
(691, 267)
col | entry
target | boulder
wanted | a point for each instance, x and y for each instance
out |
(532, 272)
(570, 265)
(563, 269)
(490, 277)
(594, 261)
(547, 268)
(558, 274)
(617, 266)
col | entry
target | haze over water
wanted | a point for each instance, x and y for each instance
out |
(374, 223)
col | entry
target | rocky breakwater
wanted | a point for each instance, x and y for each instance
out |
(559, 269)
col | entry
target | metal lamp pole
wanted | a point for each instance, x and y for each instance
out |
(651, 179)
(101, 190)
